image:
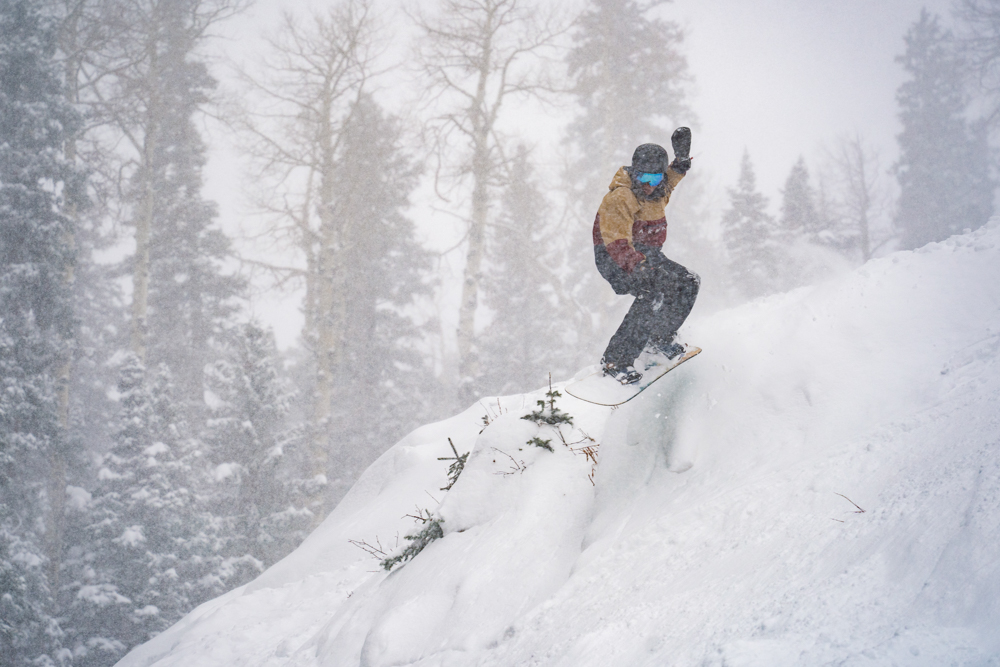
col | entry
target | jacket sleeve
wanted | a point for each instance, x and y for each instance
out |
(616, 217)
(673, 177)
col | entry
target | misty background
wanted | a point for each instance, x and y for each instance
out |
(248, 246)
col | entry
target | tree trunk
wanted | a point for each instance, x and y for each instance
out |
(144, 217)
(323, 319)
(55, 524)
(468, 367)
(468, 363)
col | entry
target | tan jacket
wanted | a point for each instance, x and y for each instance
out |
(624, 220)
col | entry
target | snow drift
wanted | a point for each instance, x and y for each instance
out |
(820, 486)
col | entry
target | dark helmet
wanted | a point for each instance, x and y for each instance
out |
(650, 158)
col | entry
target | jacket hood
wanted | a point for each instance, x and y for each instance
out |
(622, 179)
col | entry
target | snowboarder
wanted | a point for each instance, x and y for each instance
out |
(629, 232)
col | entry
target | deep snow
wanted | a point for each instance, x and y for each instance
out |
(720, 527)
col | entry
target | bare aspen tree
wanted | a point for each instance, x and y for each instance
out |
(312, 79)
(477, 56)
(862, 195)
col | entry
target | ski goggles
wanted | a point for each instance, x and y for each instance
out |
(651, 179)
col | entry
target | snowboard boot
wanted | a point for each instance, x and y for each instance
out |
(621, 374)
(668, 349)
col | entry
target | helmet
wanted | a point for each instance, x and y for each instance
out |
(650, 159)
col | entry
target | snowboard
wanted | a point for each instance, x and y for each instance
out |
(600, 389)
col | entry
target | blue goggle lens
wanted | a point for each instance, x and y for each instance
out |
(651, 179)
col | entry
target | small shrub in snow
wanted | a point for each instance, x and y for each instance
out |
(489, 417)
(548, 414)
(456, 468)
(430, 532)
(544, 444)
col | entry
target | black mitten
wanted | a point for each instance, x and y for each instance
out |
(681, 140)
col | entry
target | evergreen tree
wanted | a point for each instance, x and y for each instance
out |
(751, 237)
(191, 299)
(799, 216)
(527, 335)
(263, 495)
(36, 323)
(145, 84)
(379, 270)
(156, 550)
(944, 164)
(139, 511)
(800, 227)
(153, 549)
(813, 237)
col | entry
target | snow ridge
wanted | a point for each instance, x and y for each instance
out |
(722, 525)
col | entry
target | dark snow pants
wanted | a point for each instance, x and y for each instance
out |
(664, 293)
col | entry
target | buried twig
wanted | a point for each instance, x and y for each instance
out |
(516, 467)
(860, 511)
(376, 552)
(419, 516)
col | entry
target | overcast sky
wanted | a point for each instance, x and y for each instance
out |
(780, 78)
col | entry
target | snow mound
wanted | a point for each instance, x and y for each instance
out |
(820, 486)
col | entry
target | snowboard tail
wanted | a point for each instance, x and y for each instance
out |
(601, 389)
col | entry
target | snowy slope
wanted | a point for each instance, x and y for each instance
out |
(720, 527)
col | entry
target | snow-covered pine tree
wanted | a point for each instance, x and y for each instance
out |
(139, 515)
(752, 237)
(155, 549)
(803, 231)
(629, 77)
(944, 164)
(36, 323)
(257, 454)
(813, 238)
(154, 86)
(799, 226)
(799, 217)
(528, 334)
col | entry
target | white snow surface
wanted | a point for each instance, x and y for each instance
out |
(720, 527)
